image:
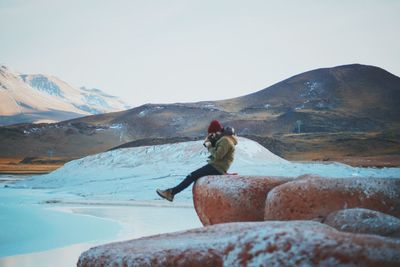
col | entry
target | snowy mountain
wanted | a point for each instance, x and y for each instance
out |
(42, 98)
(134, 173)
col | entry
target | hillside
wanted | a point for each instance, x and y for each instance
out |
(345, 98)
(351, 98)
(324, 114)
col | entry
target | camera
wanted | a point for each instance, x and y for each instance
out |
(211, 139)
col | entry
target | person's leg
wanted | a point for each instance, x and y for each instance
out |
(203, 171)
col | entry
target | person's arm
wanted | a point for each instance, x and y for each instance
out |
(207, 142)
(220, 150)
(210, 140)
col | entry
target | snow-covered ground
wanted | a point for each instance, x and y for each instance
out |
(135, 173)
(111, 196)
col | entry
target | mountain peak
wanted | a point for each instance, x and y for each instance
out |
(39, 97)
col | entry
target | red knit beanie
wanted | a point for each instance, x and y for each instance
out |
(214, 127)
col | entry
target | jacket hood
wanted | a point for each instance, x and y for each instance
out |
(233, 138)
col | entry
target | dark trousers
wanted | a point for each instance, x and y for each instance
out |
(203, 171)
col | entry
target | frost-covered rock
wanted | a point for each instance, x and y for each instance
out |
(364, 221)
(294, 243)
(219, 199)
(315, 198)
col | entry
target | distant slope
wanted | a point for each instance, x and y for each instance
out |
(40, 98)
(344, 98)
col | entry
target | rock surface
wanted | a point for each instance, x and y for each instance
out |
(314, 198)
(294, 243)
(219, 199)
(364, 221)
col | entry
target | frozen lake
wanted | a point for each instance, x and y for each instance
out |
(36, 233)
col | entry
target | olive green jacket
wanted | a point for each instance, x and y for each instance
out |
(222, 154)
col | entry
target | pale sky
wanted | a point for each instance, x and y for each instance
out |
(166, 51)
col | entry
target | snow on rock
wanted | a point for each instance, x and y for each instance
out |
(316, 197)
(294, 243)
(364, 221)
(219, 199)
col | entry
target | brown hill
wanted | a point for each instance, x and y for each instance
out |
(352, 97)
(320, 114)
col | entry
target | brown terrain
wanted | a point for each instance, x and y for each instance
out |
(348, 114)
(30, 165)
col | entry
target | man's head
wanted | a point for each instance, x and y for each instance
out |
(214, 127)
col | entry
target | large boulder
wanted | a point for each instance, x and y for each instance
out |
(314, 198)
(294, 243)
(364, 221)
(220, 199)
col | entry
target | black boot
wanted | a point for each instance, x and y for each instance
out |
(167, 194)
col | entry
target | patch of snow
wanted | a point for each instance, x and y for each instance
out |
(32, 130)
(312, 85)
(312, 89)
(116, 126)
(94, 100)
(149, 110)
(299, 107)
(321, 105)
(209, 106)
(142, 113)
(42, 83)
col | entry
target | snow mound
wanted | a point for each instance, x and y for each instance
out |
(135, 173)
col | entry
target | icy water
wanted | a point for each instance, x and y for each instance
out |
(9, 178)
(36, 233)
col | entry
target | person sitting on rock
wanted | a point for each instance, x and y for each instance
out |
(220, 143)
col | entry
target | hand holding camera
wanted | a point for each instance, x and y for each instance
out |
(211, 139)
